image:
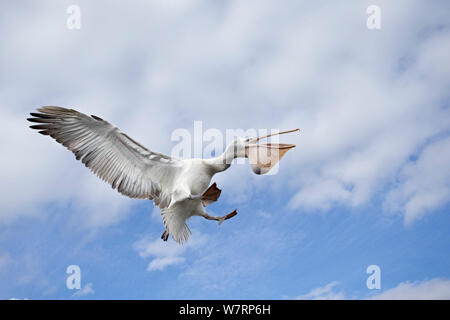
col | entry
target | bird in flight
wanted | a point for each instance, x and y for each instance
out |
(181, 188)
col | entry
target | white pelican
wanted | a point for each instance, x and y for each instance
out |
(178, 187)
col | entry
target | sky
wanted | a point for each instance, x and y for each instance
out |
(367, 185)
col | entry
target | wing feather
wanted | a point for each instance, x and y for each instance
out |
(113, 156)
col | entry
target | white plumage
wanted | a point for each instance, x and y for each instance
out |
(178, 187)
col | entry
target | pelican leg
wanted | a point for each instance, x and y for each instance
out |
(165, 235)
(219, 219)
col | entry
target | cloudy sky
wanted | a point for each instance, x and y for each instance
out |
(368, 184)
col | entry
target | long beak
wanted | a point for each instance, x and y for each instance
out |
(264, 156)
(273, 134)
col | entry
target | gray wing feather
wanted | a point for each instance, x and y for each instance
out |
(126, 165)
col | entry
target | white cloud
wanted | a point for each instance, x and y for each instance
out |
(164, 254)
(435, 289)
(321, 194)
(87, 289)
(366, 100)
(424, 184)
(327, 292)
(162, 263)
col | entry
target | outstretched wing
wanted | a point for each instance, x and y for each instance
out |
(126, 165)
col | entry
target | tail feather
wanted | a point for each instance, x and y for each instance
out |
(175, 222)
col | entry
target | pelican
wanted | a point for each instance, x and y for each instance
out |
(181, 188)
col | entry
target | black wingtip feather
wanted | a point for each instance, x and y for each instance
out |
(96, 118)
(41, 126)
(41, 115)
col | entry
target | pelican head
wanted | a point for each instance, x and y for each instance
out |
(262, 156)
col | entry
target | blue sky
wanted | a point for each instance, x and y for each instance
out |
(368, 184)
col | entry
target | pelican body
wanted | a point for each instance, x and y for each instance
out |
(181, 188)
